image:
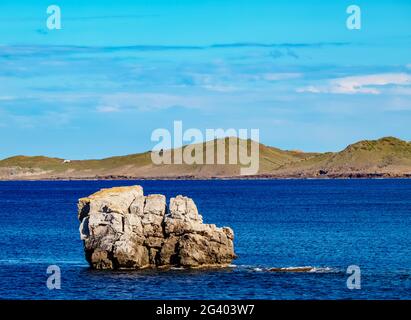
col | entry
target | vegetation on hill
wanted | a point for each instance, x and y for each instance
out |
(387, 156)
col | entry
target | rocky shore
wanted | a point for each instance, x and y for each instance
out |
(123, 229)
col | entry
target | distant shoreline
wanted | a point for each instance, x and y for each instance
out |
(387, 157)
(189, 178)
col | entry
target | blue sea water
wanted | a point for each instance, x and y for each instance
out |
(326, 224)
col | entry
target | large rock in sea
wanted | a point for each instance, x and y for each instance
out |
(123, 229)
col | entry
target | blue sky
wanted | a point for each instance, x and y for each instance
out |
(120, 69)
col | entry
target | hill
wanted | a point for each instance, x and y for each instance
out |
(386, 157)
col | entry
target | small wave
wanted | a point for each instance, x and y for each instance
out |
(324, 270)
(41, 261)
(301, 269)
(308, 269)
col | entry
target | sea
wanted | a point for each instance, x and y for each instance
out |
(352, 239)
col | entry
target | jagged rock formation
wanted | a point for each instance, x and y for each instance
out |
(123, 229)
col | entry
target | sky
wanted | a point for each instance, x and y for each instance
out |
(118, 70)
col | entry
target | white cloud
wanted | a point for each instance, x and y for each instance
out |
(223, 81)
(146, 101)
(368, 84)
(281, 76)
(107, 109)
(212, 82)
(309, 89)
(220, 88)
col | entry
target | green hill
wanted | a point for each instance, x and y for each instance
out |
(384, 157)
(387, 156)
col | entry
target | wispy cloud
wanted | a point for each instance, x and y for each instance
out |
(146, 102)
(220, 88)
(107, 109)
(365, 84)
(74, 49)
(281, 76)
(277, 45)
(7, 98)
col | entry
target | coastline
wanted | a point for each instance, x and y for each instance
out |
(387, 157)
(348, 176)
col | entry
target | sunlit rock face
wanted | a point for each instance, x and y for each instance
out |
(123, 229)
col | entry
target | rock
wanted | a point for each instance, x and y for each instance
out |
(123, 229)
(322, 172)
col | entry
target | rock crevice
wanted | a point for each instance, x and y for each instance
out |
(123, 229)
